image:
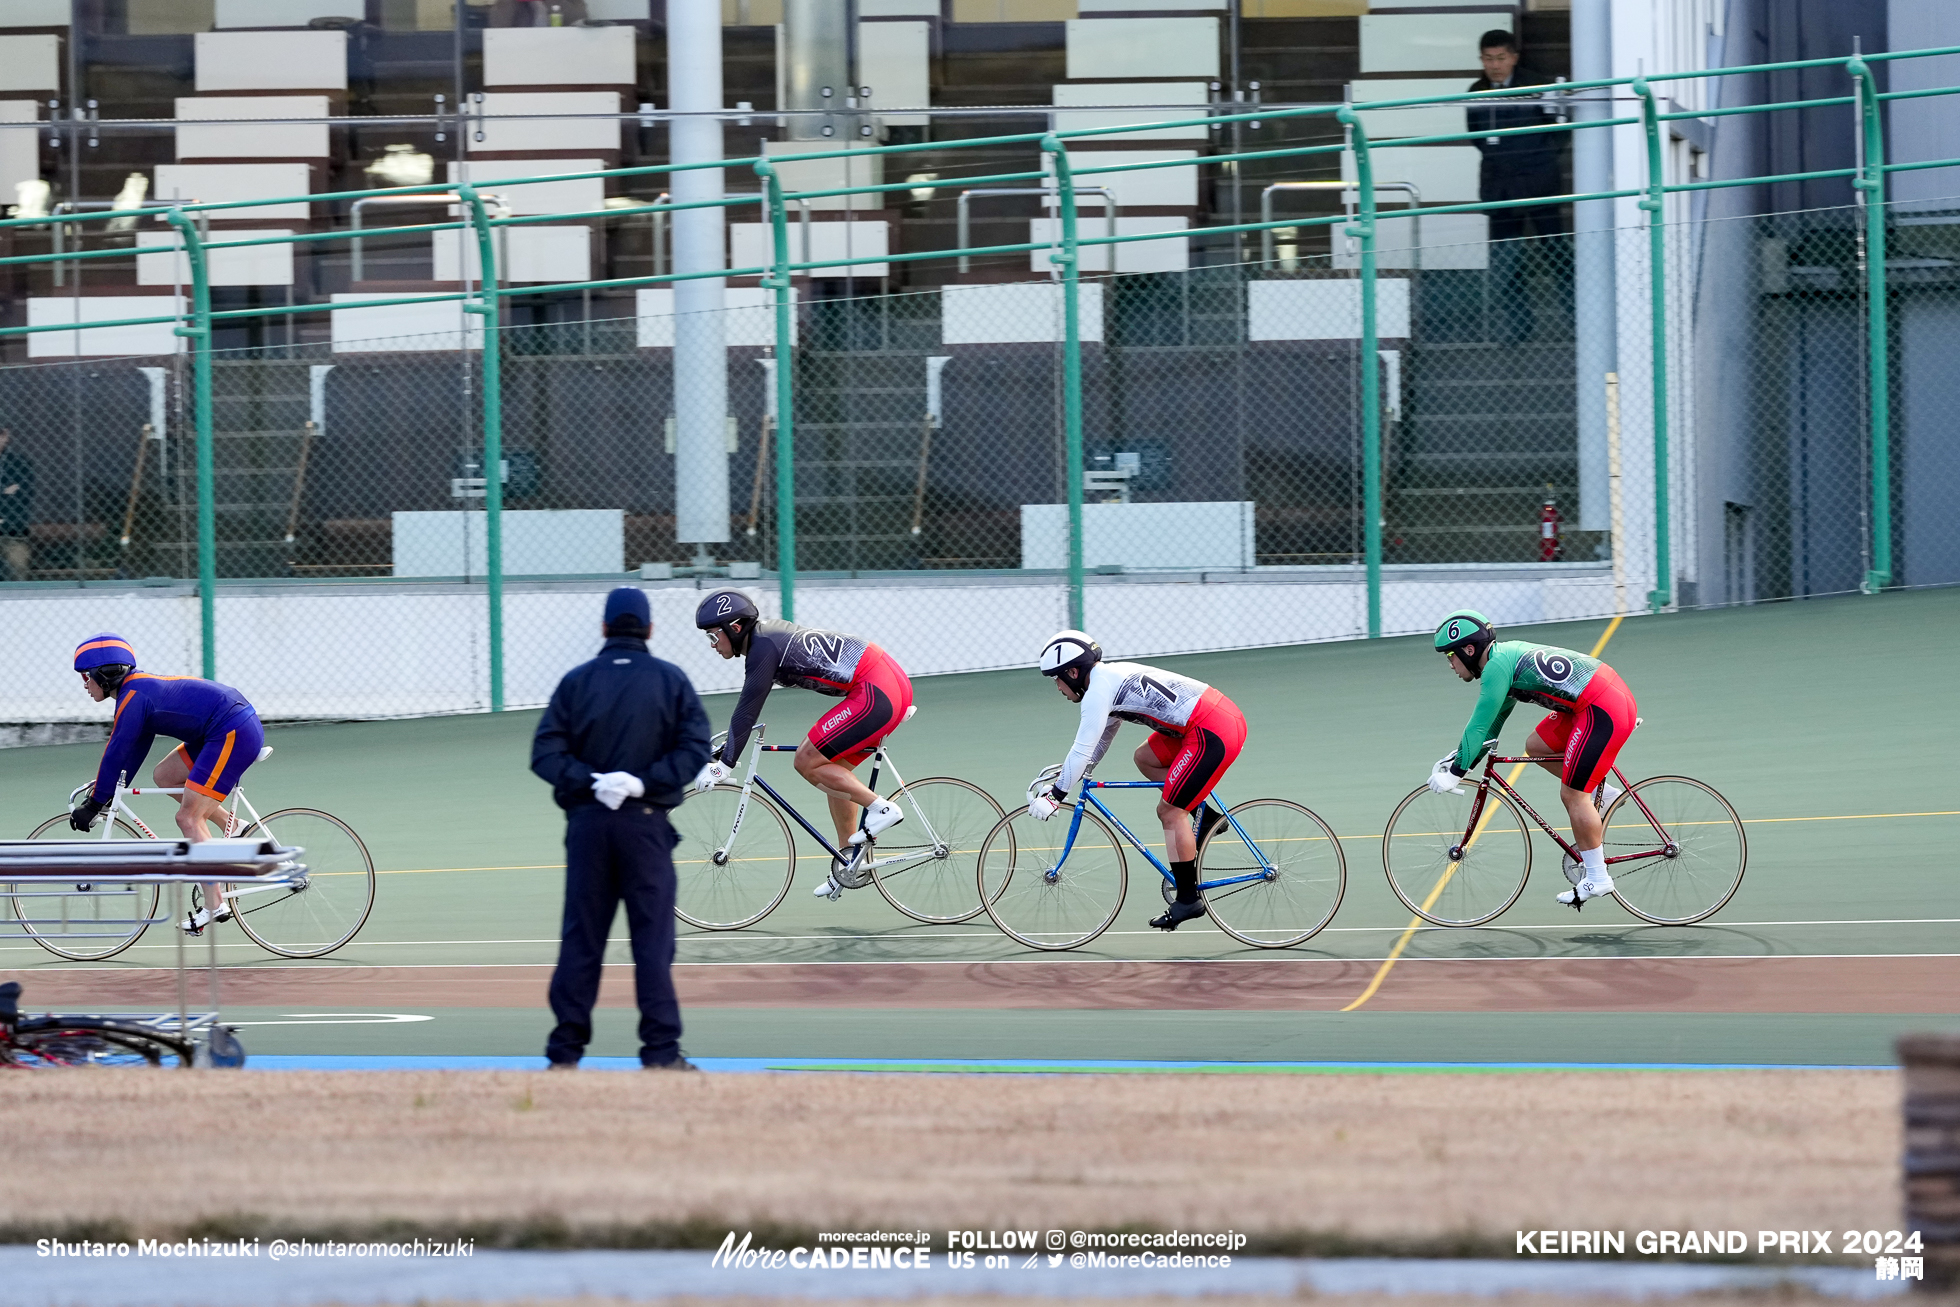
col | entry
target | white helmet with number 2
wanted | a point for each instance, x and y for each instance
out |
(1070, 655)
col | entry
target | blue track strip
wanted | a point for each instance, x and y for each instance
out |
(1013, 1066)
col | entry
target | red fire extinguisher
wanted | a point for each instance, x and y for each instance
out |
(1550, 548)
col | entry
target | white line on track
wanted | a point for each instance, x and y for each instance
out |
(1043, 961)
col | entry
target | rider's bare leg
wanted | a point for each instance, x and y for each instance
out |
(845, 792)
(1179, 842)
(1588, 831)
(197, 814)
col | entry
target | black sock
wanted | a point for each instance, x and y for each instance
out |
(1186, 876)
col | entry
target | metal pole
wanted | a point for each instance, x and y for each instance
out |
(1663, 592)
(1371, 395)
(199, 335)
(487, 306)
(1872, 184)
(778, 282)
(1595, 302)
(1067, 258)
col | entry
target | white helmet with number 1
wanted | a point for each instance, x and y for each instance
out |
(1070, 655)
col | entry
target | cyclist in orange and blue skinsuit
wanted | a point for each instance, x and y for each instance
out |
(219, 728)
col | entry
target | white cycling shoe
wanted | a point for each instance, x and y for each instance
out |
(878, 818)
(1592, 887)
(829, 889)
(197, 921)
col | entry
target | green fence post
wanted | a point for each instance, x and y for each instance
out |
(1877, 329)
(778, 282)
(487, 306)
(1068, 259)
(1663, 592)
(199, 335)
(1371, 394)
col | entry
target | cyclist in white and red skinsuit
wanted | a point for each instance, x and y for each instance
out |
(1196, 734)
(876, 692)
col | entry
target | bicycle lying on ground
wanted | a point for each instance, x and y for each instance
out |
(55, 1040)
(737, 856)
(1272, 875)
(1675, 849)
(309, 917)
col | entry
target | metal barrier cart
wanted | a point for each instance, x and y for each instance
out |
(34, 871)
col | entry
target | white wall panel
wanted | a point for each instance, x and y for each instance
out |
(212, 183)
(1422, 43)
(34, 13)
(575, 195)
(197, 139)
(20, 147)
(898, 9)
(255, 265)
(1191, 94)
(1164, 187)
(558, 56)
(619, 11)
(285, 13)
(1194, 536)
(1323, 310)
(155, 338)
(860, 168)
(524, 254)
(1445, 174)
(1449, 240)
(1138, 256)
(536, 542)
(271, 61)
(1018, 314)
(750, 317)
(500, 133)
(1425, 120)
(390, 328)
(30, 63)
(752, 246)
(1143, 47)
(895, 61)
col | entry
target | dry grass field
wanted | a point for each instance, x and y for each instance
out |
(1309, 1163)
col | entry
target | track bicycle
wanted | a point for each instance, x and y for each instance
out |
(54, 1040)
(308, 917)
(740, 856)
(1274, 879)
(1674, 846)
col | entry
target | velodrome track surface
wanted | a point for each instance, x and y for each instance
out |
(1825, 723)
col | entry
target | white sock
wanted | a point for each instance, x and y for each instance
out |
(1595, 863)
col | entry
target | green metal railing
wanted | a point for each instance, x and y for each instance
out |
(195, 323)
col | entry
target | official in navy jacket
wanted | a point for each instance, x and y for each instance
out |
(621, 738)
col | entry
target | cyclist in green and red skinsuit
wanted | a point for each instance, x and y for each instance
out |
(1592, 715)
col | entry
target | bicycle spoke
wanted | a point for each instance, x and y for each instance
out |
(727, 879)
(313, 917)
(87, 921)
(1703, 850)
(1444, 877)
(925, 866)
(1042, 898)
(1300, 874)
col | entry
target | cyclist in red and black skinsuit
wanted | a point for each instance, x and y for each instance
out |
(877, 697)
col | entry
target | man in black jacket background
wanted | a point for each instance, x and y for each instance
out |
(619, 742)
(1517, 168)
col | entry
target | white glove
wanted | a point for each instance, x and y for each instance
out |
(1444, 781)
(711, 775)
(1044, 805)
(613, 788)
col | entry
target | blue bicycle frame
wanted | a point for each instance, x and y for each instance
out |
(1088, 798)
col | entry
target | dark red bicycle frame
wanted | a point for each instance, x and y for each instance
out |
(1490, 778)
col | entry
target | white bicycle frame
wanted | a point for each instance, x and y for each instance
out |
(880, 757)
(234, 823)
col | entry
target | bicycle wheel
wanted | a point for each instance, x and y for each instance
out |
(317, 914)
(925, 865)
(1704, 850)
(1283, 888)
(83, 921)
(1044, 892)
(1445, 879)
(724, 883)
(60, 1041)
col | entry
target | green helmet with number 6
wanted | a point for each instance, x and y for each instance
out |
(1465, 633)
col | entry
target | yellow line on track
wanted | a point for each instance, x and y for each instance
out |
(1415, 923)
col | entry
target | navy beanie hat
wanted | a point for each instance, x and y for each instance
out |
(627, 605)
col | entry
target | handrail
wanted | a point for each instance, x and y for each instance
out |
(354, 220)
(965, 226)
(1266, 211)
